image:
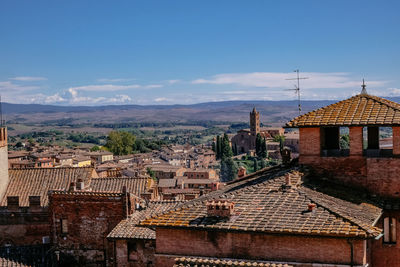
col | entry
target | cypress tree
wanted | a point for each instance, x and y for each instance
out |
(263, 152)
(218, 148)
(255, 164)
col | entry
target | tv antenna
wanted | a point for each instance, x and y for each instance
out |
(297, 87)
(1, 114)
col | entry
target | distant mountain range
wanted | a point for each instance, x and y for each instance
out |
(271, 111)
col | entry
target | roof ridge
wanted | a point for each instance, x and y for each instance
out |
(331, 115)
(339, 214)
(218, 193)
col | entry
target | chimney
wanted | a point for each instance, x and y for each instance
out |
(4, 179)
(220, 208)
(34, 203)
(241, 171)
(288, 182)
(12, 203)
(311, 207)
(124, 191)
(72, 187)
(80, 185)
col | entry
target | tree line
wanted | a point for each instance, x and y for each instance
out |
(124, 143)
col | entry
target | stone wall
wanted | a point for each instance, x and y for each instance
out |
(218, 244)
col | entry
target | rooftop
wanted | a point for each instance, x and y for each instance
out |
(38, 181)
(129, 229)
(359, 110)
(264, 203)
(212, 262)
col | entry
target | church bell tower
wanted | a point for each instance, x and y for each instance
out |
(254, 122)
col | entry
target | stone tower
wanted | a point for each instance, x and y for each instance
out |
(254, 122)
(3, 161)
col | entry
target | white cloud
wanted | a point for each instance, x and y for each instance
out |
(105, 80)
(173, 81)
(28, 79)
(8, 86)
(161, 99)
(112, 87)
(279, 80)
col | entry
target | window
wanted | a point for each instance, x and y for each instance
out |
(378, 141)
(335, 141)
(64, 226)
(389, 230)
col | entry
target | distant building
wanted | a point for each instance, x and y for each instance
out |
(245, 139)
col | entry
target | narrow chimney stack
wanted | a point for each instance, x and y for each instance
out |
(72, 187)
(12, 203)
(220, 208)
(80, 185)
(311, 207)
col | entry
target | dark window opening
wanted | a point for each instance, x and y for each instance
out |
(389, 230)
(378, 141)
(335, 141)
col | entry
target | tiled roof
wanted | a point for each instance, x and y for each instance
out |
(10, 263)
(213, 262)
(262, 203)
(128, 229)
(135, 185)
(362, 109)
(167, 182)
(37, 182)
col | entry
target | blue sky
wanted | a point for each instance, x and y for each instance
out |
(165, 52)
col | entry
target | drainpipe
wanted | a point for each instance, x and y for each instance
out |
(350, 242)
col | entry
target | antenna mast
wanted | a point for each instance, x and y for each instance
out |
(1, 113)
(297, 87)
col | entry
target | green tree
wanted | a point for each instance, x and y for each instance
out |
(344, 142)
(151, 173)
(95, 148)
(213, 146)
(281, 140)
(128, 140)
(228, 170)
(255, 164)
(120, 143)
(226, 148)
(263, 164)
(219, 148)
(258, 144)
(263, 150)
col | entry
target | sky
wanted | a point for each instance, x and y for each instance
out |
(80, 52)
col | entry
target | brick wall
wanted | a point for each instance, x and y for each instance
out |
(356, 141)
(396, 140)
(386, 254)
(90, 218)
(377, 175)
(310, 141)
(255, 246)
(23, 227)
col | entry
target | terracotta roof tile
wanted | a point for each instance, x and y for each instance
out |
(129, 229)
(37, 182)
(10, 263)
(264, 204)
(362, 109)
(135, 185)
(213, 262)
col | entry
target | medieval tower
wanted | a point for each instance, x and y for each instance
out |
(254, 122)
(3, 161)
